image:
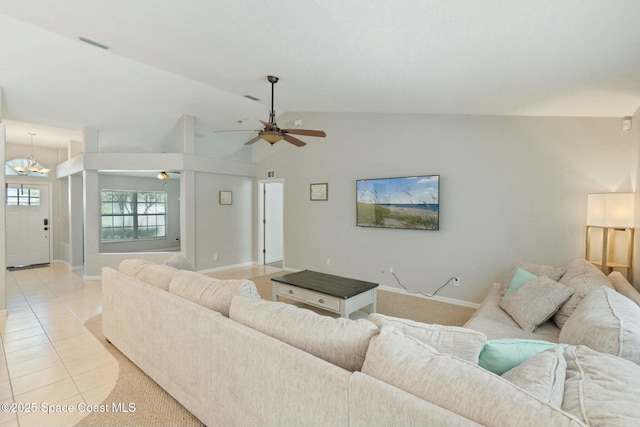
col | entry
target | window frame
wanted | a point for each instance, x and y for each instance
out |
(134, 212)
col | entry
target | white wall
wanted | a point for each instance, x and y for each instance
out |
(223, 229)
(511, 188)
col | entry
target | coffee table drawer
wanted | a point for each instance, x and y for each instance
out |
(291, 292)
(324, 301)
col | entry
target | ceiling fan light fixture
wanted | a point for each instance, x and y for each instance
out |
(271, 136)
(163, 175)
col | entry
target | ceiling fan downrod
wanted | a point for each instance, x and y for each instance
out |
(272, 113)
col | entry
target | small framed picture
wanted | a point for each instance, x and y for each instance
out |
(226, 197)
(319, 191)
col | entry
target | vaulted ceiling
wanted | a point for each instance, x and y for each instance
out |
(167, 58)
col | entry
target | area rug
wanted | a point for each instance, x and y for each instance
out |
(154, 406)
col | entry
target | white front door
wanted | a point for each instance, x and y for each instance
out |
(28, 224)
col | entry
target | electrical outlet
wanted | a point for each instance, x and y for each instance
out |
(328, 261)
(215, 256)
(390, 269)
(456, 281)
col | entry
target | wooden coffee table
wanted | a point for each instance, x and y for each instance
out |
(332, 293)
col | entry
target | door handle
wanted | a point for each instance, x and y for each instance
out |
(46, 221)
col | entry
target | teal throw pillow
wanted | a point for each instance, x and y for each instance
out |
(520, 277)
(499, 356)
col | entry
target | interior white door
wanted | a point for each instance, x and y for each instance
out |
(27, 224)
(273, 222)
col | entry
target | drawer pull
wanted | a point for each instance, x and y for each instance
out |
(321, 301)
(290, 291)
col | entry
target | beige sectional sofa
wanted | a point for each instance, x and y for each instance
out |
(233, 359)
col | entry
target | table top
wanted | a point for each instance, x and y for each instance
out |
(336, 286)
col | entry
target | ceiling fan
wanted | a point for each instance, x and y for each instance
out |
(272, 133)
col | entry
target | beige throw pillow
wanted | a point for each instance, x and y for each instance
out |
(543, 375)
(455, 384)
(605, 321)
(535, 302)
(461, 342)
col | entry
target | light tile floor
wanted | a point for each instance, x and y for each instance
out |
(48, 357)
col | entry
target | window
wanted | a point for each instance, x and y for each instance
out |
(130, 215)
(20, 196)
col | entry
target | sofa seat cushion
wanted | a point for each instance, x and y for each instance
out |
(464, 343)
(535, 302)
(209, 292)
(583, 277)
(148, 272)
(601, 389)
(607, 322)
(455, 384)
(340, 341)
(543, 375)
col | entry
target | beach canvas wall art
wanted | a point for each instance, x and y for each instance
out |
(410, 202)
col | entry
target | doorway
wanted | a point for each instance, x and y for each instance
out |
(28, 226)
(272, 223)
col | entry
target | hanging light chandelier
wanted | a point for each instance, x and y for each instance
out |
(32, 165)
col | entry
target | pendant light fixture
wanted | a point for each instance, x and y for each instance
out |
(163, 176)
(32, 165)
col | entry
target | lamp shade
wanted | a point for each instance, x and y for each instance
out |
(611, 210)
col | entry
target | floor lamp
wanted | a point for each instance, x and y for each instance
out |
(612, 214)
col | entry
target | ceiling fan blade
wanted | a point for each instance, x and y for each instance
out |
(294, 141)
(307, 132)
(252, 140)
(237, 130)
(268, 126)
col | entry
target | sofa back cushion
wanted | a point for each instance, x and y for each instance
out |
(209, 292)
(622, 285)
(584, 277)
(607, 322)
(464, 343)
(341, 341)
(455, 384)
(148, 272)
(601, 389)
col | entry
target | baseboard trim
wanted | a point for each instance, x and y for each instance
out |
(69, 266)
(434, 298)
(226, 267)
